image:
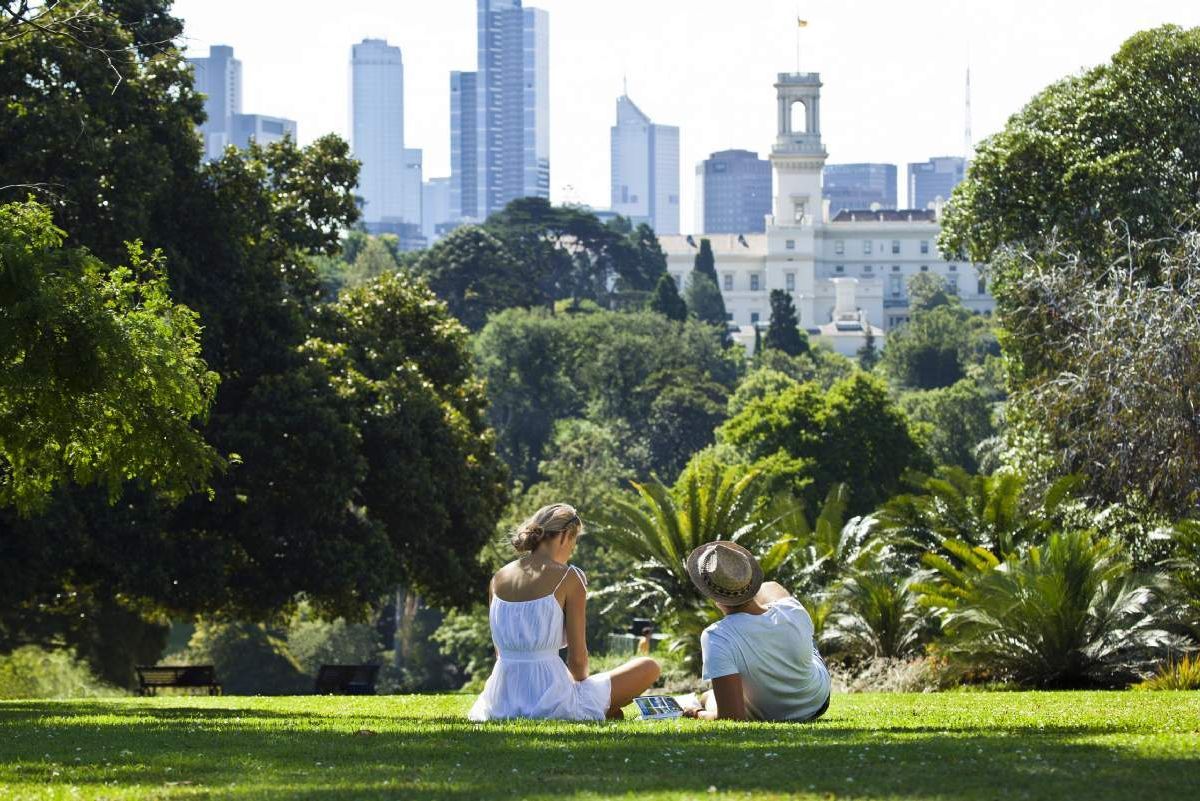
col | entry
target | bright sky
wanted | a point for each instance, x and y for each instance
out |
(893, 72)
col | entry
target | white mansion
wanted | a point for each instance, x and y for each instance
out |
(843, 273)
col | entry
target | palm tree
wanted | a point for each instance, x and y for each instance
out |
(658, 528)
(1065, 614)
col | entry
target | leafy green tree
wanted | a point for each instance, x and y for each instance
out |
(852, 434)
(249, 658)
(930, 350)
(1065, 181)
(114, 114)
(1081, 153)
(685, 407)
(596, 365)
(104, 381)
(928, 291)
(784, 332)
(651, 261)
(953, 420)
(868, 354)
(476, 275)
(705, 262)
(704, 301)
(666, 300)
(432, 479)
(759, 383)
(373, 260)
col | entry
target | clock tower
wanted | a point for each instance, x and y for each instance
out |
(798, 156)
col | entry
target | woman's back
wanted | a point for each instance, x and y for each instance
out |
(526, 613)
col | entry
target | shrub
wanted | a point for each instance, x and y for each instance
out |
(1067, 614)
(249, 658)
(33, 672)
(315, 642)
(1182, 674)
(877, 614)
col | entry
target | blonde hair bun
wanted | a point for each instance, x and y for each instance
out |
(546, 523)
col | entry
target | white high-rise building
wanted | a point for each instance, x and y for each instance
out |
(844, 272)
(219, 79)
(377, 129)
(645, 169)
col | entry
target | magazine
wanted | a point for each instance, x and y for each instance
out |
(665, 707)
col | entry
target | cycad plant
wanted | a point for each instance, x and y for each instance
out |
(658, 527)
(1068, 613)
(996, 512)
(876, 614)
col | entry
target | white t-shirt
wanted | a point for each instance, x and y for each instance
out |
(783, 675)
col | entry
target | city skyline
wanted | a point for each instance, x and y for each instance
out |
(697, 64)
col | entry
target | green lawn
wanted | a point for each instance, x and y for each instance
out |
(1129, 745)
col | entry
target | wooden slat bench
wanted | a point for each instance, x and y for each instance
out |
(346, 679)
(153, 677)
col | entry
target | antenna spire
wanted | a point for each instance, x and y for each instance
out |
(968, 140)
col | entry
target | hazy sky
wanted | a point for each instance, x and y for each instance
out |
(893, 72)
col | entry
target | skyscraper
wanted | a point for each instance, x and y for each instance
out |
(508, 99)
(934, 179)
(645, 169)
(377, 128)
(733, 193)
(219, 79)
(464, 201)
(859, 186)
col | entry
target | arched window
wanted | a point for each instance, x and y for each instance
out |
(798, 112)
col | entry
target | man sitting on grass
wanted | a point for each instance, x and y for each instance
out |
(760, 656)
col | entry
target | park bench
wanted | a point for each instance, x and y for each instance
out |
(153, 677)
(346, 679)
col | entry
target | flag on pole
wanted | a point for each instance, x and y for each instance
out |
(803, 23)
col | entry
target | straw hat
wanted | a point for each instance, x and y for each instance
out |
(725, 572)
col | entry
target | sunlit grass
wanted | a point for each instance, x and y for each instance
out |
(945, 746)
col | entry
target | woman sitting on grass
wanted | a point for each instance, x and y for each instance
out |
(537, 606)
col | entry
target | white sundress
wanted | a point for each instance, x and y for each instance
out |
(530, 680)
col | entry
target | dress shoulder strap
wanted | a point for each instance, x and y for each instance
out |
(570, 569)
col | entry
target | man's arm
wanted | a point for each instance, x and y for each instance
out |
(770, 592)
(725, 702)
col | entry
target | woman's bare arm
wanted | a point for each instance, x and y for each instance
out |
(575, 613)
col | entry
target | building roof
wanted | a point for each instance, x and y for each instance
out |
(886, 215)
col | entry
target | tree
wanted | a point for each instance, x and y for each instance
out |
(650, 259)
(927, 291)
(705, 263)
(685, 408)
(432, 479)
(953, 420)
(704, 301)
(1118, 403)
(930, 350)
(114, 116)
(784, 332)
(103, 378)
(601, 366)
(868, 354)
(476, 275)
(1081, 153)
(666, 300)
(812, 439)
(1075, 162)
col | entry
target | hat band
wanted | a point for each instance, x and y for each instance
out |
(722, 590)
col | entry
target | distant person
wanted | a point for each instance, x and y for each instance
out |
(646, 642)
(537, 606)
(760, 655)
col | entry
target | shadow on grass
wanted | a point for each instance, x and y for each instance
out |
(320, 757)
